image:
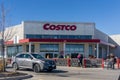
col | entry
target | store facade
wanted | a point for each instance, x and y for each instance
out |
(52, 39)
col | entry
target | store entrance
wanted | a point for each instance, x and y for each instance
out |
(49, 55)
(74, 55)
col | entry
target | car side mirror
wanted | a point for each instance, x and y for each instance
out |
(31, 58)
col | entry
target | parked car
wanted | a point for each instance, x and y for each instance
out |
(32, 61)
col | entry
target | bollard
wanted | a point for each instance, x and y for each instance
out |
(102, 63)
(118, 62)
(68, 62)
(55, 60)
(84, 61)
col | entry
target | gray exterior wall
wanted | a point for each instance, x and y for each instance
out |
(31, 27)
(100, 35)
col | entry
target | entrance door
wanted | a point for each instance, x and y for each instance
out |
(74, 55)
(49, 55)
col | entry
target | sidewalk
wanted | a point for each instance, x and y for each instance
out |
(77, 73)
(94, 73)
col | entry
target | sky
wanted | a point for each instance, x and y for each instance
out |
(104, 13)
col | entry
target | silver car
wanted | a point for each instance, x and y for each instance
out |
(32, 61)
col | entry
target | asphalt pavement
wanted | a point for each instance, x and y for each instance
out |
(74, 73)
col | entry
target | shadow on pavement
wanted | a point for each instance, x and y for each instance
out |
(60, 73)
(54, 71)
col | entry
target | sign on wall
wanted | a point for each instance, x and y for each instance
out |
(49, 26)
(54, 28)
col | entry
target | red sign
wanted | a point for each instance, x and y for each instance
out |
(48, 26)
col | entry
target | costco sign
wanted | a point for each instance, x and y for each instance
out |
(58, 27)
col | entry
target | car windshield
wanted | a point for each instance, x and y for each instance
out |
(37, 56)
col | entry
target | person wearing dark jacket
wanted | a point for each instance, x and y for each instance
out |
(80, 60)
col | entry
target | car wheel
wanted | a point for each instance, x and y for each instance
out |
(15, 66)
(36, 68)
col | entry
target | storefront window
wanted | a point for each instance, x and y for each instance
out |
(75, 47)
(55, 55)
(74, 55)
(49, 55)
(32, 48)
(49, 48)
(90, 50)
(20, 49)
(13, 50)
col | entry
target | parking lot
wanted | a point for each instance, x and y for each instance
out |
(74, 73)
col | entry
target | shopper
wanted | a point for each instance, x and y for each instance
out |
(61, 56)
(113, 61)
(80, 60)
(108, 62)
(78, 56)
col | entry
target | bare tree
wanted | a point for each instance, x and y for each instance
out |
(5, 33)
(2, 26)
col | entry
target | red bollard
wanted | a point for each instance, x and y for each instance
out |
(68, 61)
(118, 62)
(102, 63)
(84, 63)
(54, 59)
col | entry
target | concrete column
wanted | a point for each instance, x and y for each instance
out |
(37, 47)
(97, 50)
(102, 52)
(64, 45)
(24, 47)
(108, 50)
(30, 47)
(94, 49)
(60, 47)
(86, 50)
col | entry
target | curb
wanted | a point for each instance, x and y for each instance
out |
(16, 77)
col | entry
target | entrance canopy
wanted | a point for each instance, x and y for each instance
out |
(55, 40)
(108, 44)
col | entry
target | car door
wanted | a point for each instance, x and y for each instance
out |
(28, 61)
(20, 60)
